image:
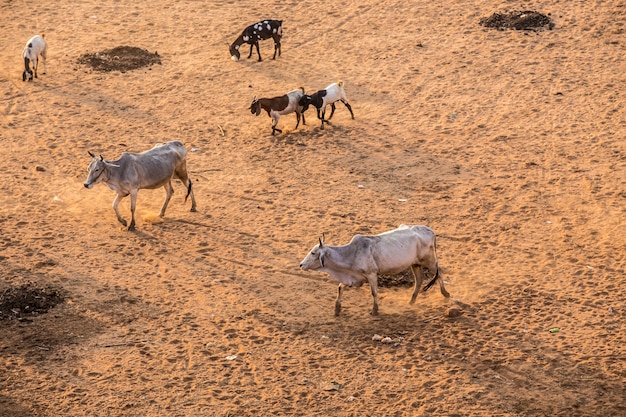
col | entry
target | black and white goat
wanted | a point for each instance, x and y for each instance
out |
(322, 98)
(35, 47)
(254, 33)
(278, 106)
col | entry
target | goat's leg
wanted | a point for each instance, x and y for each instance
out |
(43, 59)
(35, 65)
(118, 197)
(338, 300)
(276, 45)
(320, 115)
(349, 108)
(133, 204)
(258, 51)
(332, 111)
(169, 191)
(274, 123)
(418, 276)
(298, 120)
(250, 54)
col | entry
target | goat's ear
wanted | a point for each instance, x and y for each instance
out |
(91, 154)
(258, 109)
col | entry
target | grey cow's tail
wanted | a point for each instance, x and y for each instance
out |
(432, 281)
(188, 190)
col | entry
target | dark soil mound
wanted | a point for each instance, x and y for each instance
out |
(27, 300)
(121, 58)
(403, 279)
(518, 20)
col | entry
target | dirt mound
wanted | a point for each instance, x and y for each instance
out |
(28, 300)
(403, 279)
(121, 58)
(518, 20)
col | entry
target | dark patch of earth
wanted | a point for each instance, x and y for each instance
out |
(28, 299)
(121, 58)
(403, 279)
(518, 20)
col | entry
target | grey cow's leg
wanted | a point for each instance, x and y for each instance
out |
(169, 191)
(444, 292)
(338, 300)
(373, 281)
(418, 276)
(133, 204)
(117, 200)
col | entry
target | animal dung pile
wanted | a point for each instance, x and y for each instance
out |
(518, 20)
(27, 300)
(121, 58)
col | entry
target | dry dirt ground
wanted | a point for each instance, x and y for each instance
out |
(509, 144)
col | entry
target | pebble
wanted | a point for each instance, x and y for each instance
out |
(454, 312)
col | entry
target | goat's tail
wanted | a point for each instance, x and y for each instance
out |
(188, 190)
(340, 83)
(43, 35)
(432, 281)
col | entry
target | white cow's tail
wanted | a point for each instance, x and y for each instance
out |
(432, 281)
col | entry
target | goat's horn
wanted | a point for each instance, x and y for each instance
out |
(101, 157)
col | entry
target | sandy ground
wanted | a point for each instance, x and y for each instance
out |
(509, 144)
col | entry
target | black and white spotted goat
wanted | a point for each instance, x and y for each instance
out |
(35, 47)
(254, 33)
(322, 98)
(278, 106)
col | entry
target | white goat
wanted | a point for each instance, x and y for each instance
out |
(365, 257)
(35, 47)
(322, 98)
(278, 106)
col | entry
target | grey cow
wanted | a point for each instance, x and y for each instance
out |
(153, 168)
(366, 257)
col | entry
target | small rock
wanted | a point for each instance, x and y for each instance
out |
(377, 338)
(454, 312)
(40, 169)
(386, 340)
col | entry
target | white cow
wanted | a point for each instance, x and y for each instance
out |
(153, 168)
(366, 257)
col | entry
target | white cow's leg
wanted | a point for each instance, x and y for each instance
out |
(169, 190)
(133, 204)
(193, 199)
(418, 276)
(117, 212)
(444, 292)
(373, 281)
(338, 300)
(181, 174)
